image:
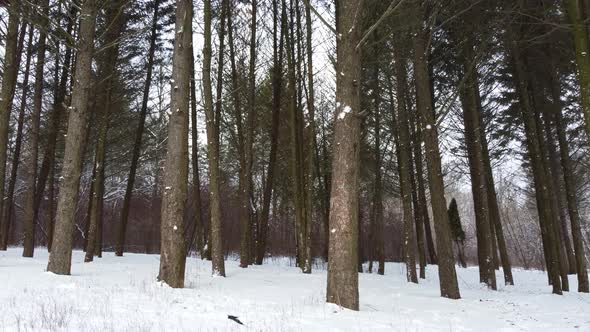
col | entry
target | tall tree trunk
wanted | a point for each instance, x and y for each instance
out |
(59, 105)
(404, 161)
(29, 218)
(249, 240)
(6, 215)
(342, 286)
(534, 151)
(243, 194)
(296, 160)
(473, 141)
(122, 227)
(173, 250)
(418, 217)
(277, 81)
(578, 20)
(423, 205)
(377, 213)
(551, 202)
(61, 251)
(116, 20)
(9, 76)
(310, 133)
(446, 263)
(493, 206)
(554, 167)
(216, 240)
(197, 236)
(570, 190)
(51, 214)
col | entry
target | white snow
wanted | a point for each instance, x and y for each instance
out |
(345, 111)
(122, 294)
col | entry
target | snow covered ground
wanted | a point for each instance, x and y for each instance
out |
(121, 294)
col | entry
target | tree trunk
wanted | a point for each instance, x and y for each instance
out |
(6, 222)
(9, 76)
(446, 263)
(59, 105)
(216, 240)
(311, 142)
(473, 141)
(61, 251)
(122, 227)
(404, 160)
(277, 80)
(578, 19)
(493, 206)
(422, 204)
(248, 240)
(534, 151)
(116, 17)
(554, 167)
(342, 286)
(570, 191)
(197, 236)
(173, 250)
(418, 217)
(29, 218)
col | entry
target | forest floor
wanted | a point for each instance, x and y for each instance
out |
(121, 294)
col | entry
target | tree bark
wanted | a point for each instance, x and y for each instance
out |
(404, 161)
(473, 141)
(197, 236)
(6, 222)
(534, 151)
(61, 252)
(493, 203)
(9, 76)
(29, 218)
(342, 286)
(173, 249)
(422, 204)
(577, 18)
(418, 216)
(277, 81)
(59, 105)
(570, 189)
(216, 240)
(122, 227)
(446, 263)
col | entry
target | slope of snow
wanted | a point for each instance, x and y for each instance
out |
(121, 294)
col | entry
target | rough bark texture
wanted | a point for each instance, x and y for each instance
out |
(216, 243)
(571, 195)
(31, 162)
(173, 251)
(116, 17)
(61, 251)
(534, 151)
(404, 156)
(446, 265)
(122, 227)
(59, 105)
(197, 236)
(7, 214)
(276, 107)
(342, 286)
(494, 207)
(422, 203)
(6, 95)
(475, 155)
(579, 31)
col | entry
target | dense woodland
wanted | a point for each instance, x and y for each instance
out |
(329, 131)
